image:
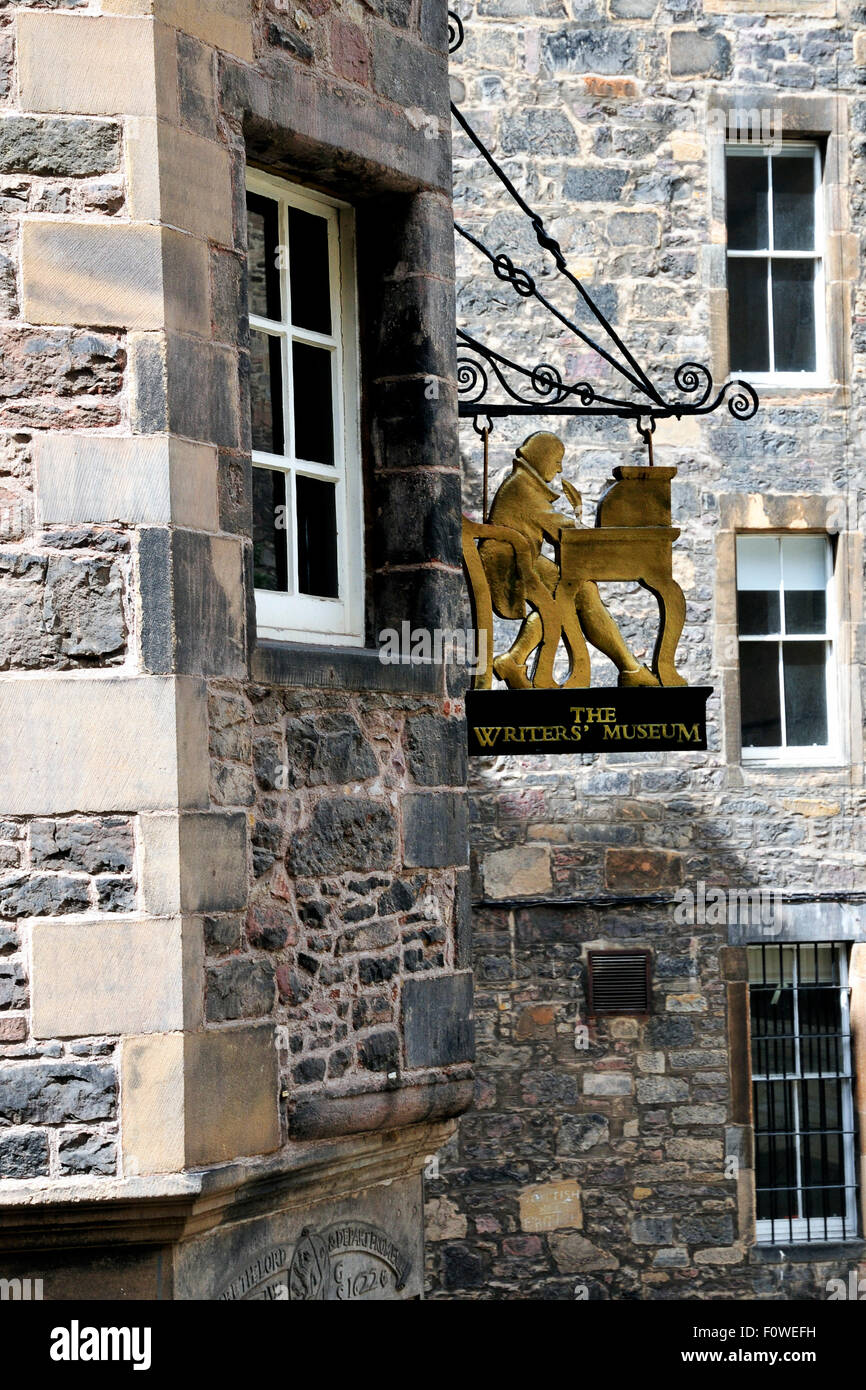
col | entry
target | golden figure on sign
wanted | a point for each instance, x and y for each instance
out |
(558, 600)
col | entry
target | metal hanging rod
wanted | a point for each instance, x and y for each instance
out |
(540, 389)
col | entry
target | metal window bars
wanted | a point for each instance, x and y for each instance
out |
(540, 389)
(804, 1116)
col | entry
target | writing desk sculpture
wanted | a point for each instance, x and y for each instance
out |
(557, 600)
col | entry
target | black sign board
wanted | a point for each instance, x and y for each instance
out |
(639, 720)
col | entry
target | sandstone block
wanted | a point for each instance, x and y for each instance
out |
(653, 1090)
(106, 722)
(438, 1024)
(131, 975)
(89, 64)
(114, 275)
(198, 1098)
(129, 479)
(193, 863)
(226, 24)
(195, 184)
(522, 872)
(550, 1206)
(642, 870)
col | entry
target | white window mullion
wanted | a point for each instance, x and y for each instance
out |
(771, 334)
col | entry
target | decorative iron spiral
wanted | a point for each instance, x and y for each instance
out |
(691, 377)
(455, 31)
(546, 378)
(743, 402)
(472, 381)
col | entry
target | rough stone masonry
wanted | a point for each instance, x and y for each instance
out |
(233, 875)
(598, 1160)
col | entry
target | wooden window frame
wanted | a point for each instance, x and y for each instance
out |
(821, 755)
(820, 377)
(294, 617)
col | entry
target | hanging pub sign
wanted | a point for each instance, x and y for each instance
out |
(556, 604)
(553, 598)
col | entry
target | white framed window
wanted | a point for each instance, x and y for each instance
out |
(775, 263)
(304, 393)
(785, 626)
(805, 1131)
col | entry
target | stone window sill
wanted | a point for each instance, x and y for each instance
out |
(341, 668)
(806, 1252)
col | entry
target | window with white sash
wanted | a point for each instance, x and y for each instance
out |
(775, 259)
(304, 393)
(786, 626)
(804, 1114)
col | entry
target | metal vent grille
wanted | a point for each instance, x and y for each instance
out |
(619, 982)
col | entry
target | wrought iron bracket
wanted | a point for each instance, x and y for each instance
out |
(540, 389)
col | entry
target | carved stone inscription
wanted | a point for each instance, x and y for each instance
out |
(342, 1262)
(366, 1246)
(345, 1261)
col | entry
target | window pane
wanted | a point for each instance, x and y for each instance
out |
(804, 561)
(804, 570)
(317, 537)
(747, 203)
(823, 1164)
(820, 1019)
(794, 315)
(309, 271)
(804, 666)
(773, 1048)
(262, 265)
(757, 613)
(760, 707)
(758, 562)
(266, 393)
(314, 408)
(748, 324)
(805, 611)
(759, 575)
(270, 556)
(793, 203)
(775, 1161)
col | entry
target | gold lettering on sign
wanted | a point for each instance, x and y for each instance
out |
(636, 733)
(489, 735)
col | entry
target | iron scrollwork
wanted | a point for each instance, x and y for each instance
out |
(479, 365)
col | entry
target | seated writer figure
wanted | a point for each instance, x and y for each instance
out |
(524, 502)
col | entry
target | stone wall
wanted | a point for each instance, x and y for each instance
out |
(233, 882)
(615, 1161)
(354, 889)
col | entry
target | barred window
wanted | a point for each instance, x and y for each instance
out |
(805, 1122)
(304, 399)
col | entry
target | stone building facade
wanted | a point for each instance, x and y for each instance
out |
(235, 995)
(614, 1157)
